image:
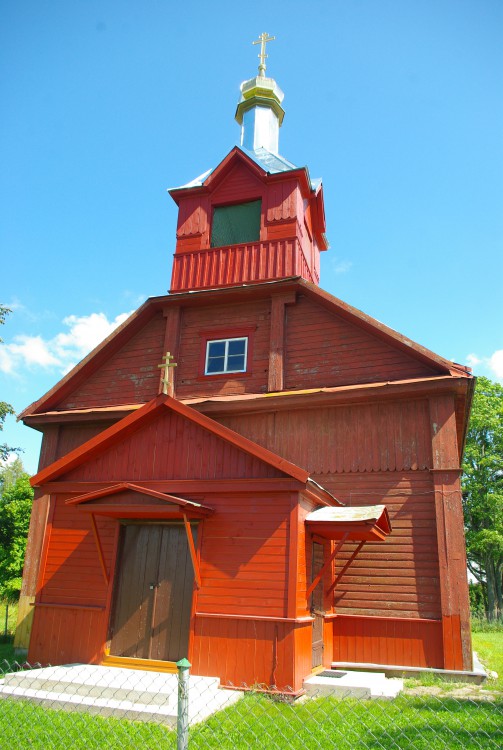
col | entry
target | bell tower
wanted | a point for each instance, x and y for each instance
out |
(256, 217)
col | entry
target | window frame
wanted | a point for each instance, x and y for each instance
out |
(224, 334)
(226, 355)
(218, 206)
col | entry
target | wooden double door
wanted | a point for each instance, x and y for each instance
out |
(152, 592)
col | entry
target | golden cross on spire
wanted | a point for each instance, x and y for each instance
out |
(166, 381)
(262, 40)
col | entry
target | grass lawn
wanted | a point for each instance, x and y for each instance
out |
(489, 647)
(418, 722)
(257, 721)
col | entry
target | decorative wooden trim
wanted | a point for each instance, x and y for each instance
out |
(192, 550)
(100, 549)
(325, 566)
(172, 316)
(425, 620)
(224, 616)
(348, 563)
(45, 547)
(57, 605)
(190, 486)
(149, 665)
(277, 340)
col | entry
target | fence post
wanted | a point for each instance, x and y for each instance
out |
(182, 721)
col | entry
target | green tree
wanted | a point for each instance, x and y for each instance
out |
(5, 409)
(15, 508)
(483, 493)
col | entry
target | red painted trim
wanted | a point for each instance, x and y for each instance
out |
(57, 605)
(325, 567)
(111, 585)
(192, 550)
(116, 488)
(100, 550)
(45, 548)
(218, 615)
(215, 334)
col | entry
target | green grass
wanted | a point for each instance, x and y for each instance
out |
(11, 619)
(6, 653)
(483, 625)
(257, 721)
(489, 647)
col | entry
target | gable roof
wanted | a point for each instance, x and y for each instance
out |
(153, 305)
(267, 163)
(146, 414)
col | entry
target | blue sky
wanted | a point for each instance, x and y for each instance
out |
(396, 104)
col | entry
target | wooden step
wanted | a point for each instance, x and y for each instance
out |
(149, 665)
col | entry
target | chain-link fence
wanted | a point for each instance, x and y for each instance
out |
(83, 706)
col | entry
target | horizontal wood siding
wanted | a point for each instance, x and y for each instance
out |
(240, 185)
(254, 318)
(244, 556)
(386, 436)
(399, 577)
(245, 653)
(130, 376)
(411, 643)
(72, 572)
(70, 619)
(323, 349)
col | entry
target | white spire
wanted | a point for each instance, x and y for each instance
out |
(259, 111)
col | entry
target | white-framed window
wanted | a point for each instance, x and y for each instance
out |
(226, 355)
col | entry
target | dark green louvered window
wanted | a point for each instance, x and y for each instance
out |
(235, 225)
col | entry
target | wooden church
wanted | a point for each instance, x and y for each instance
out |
(249, 472)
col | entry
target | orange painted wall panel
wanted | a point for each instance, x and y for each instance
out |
(247, 652)
(388, 641)
(66, 636)
(244, 555)
(72, 573)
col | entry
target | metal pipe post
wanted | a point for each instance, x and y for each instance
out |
(182, 722)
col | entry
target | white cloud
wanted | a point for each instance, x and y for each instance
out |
(342, 266)
(491, 367)
(63, 350)
(496, 363)
(472, 360)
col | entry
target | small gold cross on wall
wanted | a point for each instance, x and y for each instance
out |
(167, 384)
(262, 40)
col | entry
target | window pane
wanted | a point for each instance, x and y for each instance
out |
(237, 346)
(215, 364)
(236, 363)
(216, 348)
(235, 225)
